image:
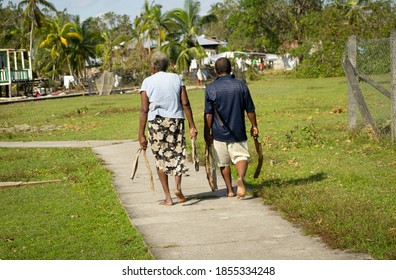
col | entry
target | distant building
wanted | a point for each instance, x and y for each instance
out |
(15, 68)
(210, 44)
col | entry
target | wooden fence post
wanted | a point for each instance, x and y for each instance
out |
(393, 83)
(357, 94)
(352, 49)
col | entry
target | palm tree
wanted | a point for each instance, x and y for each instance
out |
(155, 23)
(138, 30)
(183, 41)
(87, 48)
(58, 38)
(116, 30)
(148, 23)
(34, 16)
(354, 10)
(20, 35)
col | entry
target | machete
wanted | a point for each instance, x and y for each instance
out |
(195, 158)
(259, 150)
(210, 168)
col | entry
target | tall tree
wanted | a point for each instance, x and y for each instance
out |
(299, 10)
(260, 25)
(138, 31)
(9, 21)
(223, 10)
(148, 23)
(20, 36)
(59, 37)
(354, 10)
(155, 22)
(83, 51)
(183, 40)
(33, 15)
(116, 31)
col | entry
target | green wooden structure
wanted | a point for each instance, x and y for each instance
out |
(15, 68)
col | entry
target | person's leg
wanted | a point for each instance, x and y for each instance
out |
(239, 154)
(223, 162)
(178, 191)
(165, 186)
(226, 174)
(241, 167)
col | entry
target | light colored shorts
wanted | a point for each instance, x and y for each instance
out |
(227, 152)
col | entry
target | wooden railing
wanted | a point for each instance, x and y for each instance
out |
(3, 76)
(16, 75)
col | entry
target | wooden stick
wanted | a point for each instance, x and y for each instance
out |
(135, 164)
(354, 85)
(195, 158)
(6, 185)
(149, 171)
(375, 85)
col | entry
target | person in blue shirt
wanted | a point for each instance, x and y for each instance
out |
(226, 101)
(164, 106)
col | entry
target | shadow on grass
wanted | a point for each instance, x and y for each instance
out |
(277, 183)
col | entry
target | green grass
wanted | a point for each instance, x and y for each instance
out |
(79, 118)
(79, 218)
(335, 183)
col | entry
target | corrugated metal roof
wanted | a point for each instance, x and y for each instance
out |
(204, 41)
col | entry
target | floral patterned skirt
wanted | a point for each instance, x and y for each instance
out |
(168, 144)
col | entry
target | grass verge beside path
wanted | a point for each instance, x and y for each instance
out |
(79, 218)
(335, 183)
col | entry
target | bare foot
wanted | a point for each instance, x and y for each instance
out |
(230, 193)
(241, 190)
(166, 203)
(180, 197)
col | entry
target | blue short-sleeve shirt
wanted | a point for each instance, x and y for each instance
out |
(228, 99)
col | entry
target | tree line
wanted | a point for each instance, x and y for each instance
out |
(314, 31)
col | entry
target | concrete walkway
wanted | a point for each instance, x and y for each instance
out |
(208, 226)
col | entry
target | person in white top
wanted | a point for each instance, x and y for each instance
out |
(164, 106)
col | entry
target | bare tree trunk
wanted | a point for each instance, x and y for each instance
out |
(149, 43)
(68, 65)
(31, 39)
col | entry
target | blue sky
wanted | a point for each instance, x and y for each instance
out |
(132, 8)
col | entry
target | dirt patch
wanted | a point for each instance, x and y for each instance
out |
(27, 128)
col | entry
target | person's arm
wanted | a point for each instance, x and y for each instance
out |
(188, 112)
(208, 122)
(144, 108)
(254, 130)
(251, 113)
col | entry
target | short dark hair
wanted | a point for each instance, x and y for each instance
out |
(223, 66)
(160, 61)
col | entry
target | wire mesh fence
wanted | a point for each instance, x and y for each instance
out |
(373, 67)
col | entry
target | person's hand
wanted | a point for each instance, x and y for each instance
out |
(208, 139)
(143, 142)
(254, 132)
(193, 133)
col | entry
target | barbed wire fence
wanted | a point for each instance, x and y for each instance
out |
(370, 68)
